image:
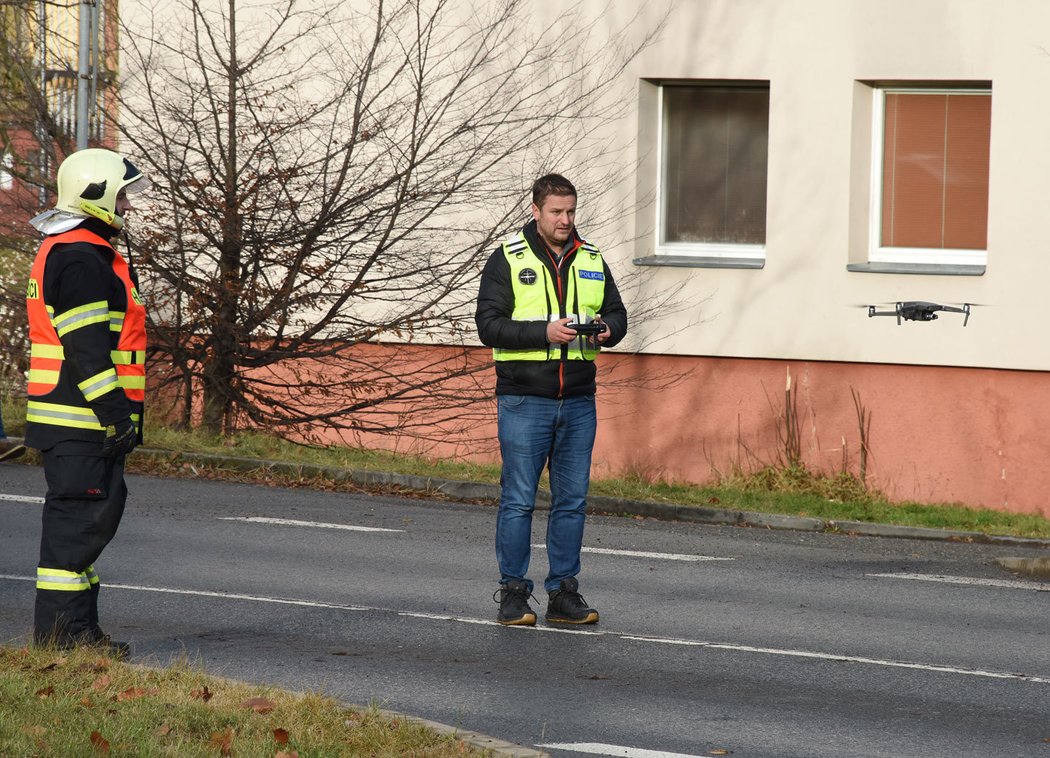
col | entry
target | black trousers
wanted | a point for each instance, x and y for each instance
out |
(82, 510)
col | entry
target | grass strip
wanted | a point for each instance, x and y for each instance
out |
(80, 702)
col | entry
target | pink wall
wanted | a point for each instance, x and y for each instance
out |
(937, 435)
(975, 436)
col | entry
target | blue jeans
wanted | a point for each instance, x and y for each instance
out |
(535, 432)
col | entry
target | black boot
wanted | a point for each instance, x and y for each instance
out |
(567, 606)
(513, 602)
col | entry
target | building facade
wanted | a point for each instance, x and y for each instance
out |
(800, 161)
(794, 166)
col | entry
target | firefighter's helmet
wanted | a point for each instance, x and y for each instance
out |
(90, 180)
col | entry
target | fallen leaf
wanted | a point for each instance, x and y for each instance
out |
(223, 741)
(87, 703)
(45, 693)
(259, 704)
(131, 693)
(202, 694)
(163, 730)
(101, 683)
(101, 743)
(280, 736)
(721, 751)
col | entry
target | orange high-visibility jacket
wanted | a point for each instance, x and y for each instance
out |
(73, 366)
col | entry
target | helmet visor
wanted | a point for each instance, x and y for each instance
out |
(139, 184)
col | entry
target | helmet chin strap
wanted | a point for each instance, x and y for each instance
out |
(112, 219)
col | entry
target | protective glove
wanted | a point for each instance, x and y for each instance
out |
(121, 439)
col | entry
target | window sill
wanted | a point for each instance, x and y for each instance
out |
(700, 261)
(928, 269)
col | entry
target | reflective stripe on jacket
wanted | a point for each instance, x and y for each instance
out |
(538, 297)
(56, 403)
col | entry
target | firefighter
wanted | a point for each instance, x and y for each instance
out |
(87, 329)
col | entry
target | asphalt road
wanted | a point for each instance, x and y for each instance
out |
(712, 639)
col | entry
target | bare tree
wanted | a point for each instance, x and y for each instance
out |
(38, 86)
(329, 180)
(30, 135)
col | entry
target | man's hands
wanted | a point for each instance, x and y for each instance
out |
(121, 439)
(558, 332)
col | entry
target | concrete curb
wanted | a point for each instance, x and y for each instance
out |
(459, 490)
(1034, 567)
(474, 739)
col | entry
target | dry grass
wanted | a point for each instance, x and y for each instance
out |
(81, 703)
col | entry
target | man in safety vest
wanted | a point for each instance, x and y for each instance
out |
(546, 304)
(87, 380)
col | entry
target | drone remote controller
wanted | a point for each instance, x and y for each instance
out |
(593, 328)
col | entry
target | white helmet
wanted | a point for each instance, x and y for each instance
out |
(90, 180)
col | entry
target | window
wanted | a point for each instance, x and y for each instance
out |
(930, 173)
(712, 171)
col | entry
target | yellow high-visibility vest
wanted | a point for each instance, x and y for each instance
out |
(539, 297)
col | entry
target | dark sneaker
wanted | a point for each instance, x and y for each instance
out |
(9, 450)
(513, 598)
(567, 606)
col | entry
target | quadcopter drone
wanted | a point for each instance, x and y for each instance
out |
(920, 310)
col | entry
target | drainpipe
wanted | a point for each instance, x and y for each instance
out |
(83, 72)
(41, 117)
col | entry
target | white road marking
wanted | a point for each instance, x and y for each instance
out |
(585, 632)
(968, 581)
(841, 658)
(619, 751)
(314, 524)
(638, 554)
(22, 498)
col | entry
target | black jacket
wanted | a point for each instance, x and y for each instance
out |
(550, 378)
(78, 273)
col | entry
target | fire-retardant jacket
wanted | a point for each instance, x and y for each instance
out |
(87, 328)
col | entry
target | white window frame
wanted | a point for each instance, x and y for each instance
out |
(700, 250)
(920, 255)
(7, 180)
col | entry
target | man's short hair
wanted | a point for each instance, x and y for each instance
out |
(551, 184)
